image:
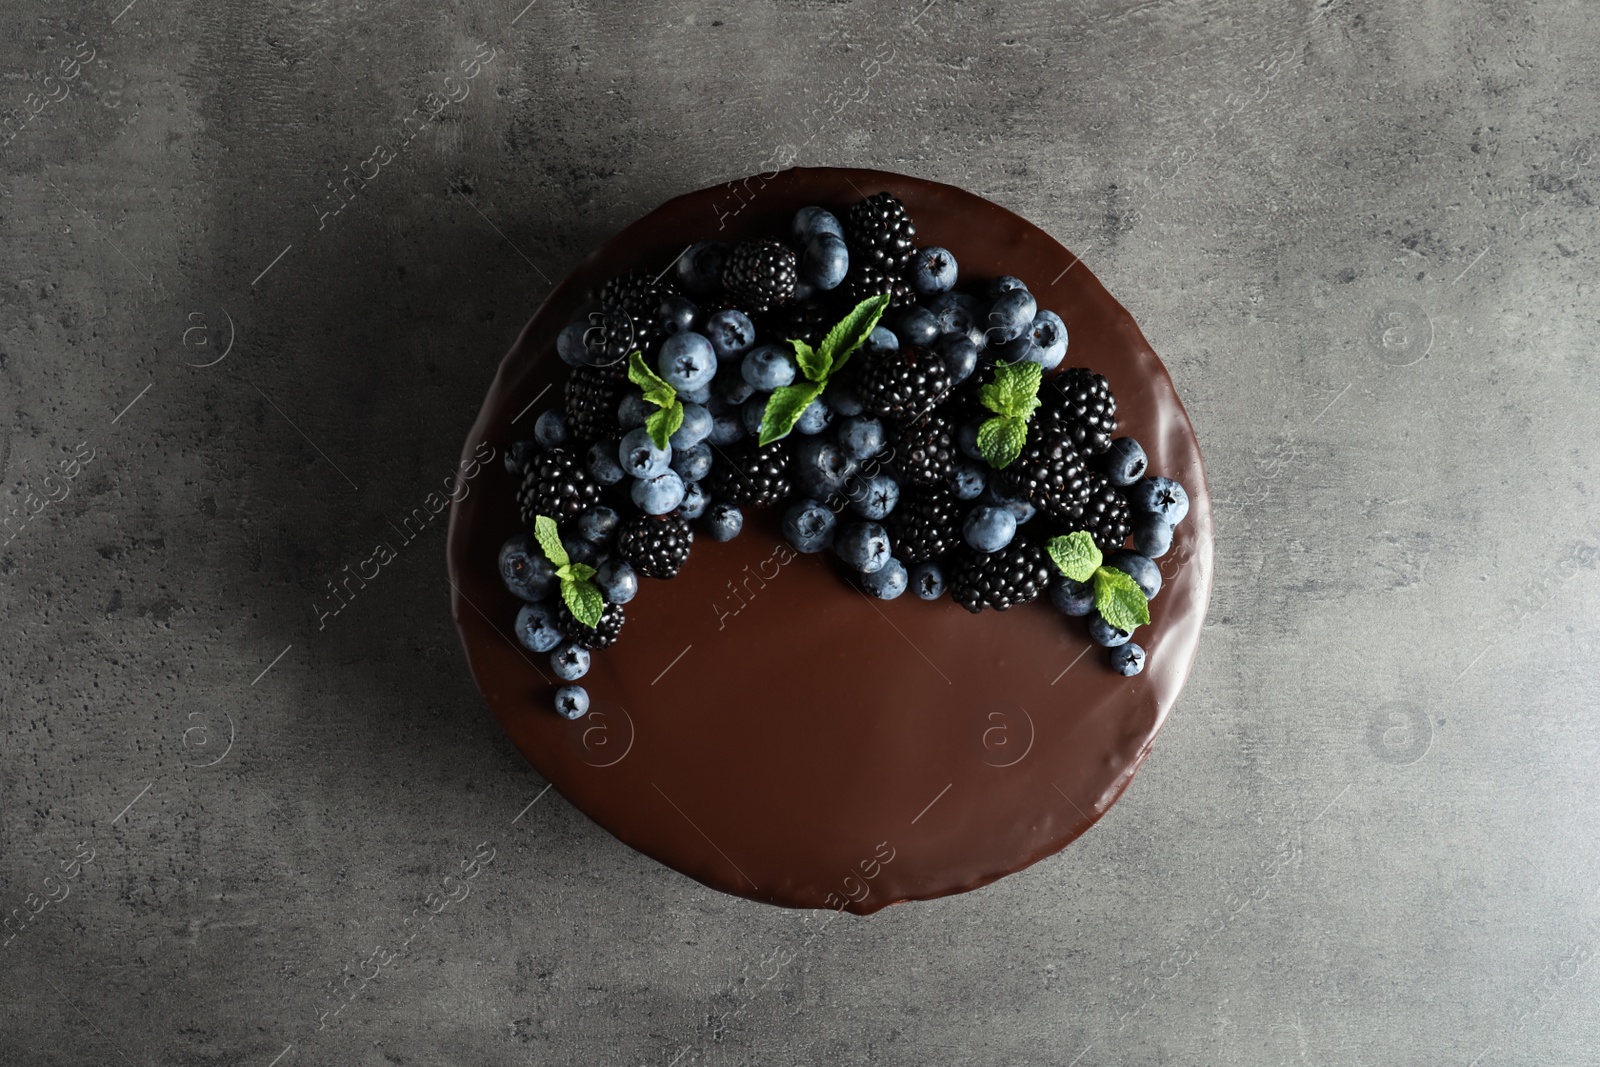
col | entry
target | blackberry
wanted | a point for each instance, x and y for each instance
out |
(1016, 574)
(808, 321)
(558, 485)
(747, 473)
(591, 402)
(1104, 514)
(905, 385)
(1049, 472)
(924, 525)
(880, 233)
(924, 451)
(655, 546)
(867, 280)
(760, 275)
(638, 293)
(622, 332)
(602, 634)
(1080, 402)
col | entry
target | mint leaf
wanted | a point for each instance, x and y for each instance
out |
(661, 425)
(784, 409)
(1014, 392)
(579, 572)
(584, 601)
(813, 364)
(544, 531)
(849, 332)
(1075, 555)
(1119, 600)
(654, 387)
(1000, 440)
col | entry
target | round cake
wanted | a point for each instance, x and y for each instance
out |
(777, 725)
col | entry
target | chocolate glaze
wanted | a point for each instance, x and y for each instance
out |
(764, 727)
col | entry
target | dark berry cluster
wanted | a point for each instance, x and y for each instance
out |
(891, 467)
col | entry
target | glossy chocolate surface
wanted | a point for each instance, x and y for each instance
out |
(764, 727)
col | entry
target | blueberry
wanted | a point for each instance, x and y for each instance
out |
(844, 400)
(518, 455)
(550, 429)
(1002, 285)
(616, 582)
(692, 463)
(732, 389)
(809, 526)
(731, 333)
(700, 268)
(933, 270)
(536, 627)
(955, 312)
(570, 345)
(603, 463)
(888, 581)
(678, 314)
(1103, 633)
(657, 495)
(861, 437)
(581, 551)
(632, 410)
(726, 429)
(880, 342)
(960, 355)
(698, 395)
(863, 545)
(817, 416)
(873, 498)
(695, 501)
(1010, 316)
(696, 427)
(825, 261)
(569, 661)
(1072, 598)
(1142, 569)
(927, 580)
(1161, 497)
(967, 439)
(916, 326)
(723, 521)
(1152, 536)
(525, 570)
(640, 457)
(821, 467)
(572, 702)
(597, 524)
(768, 367)
(967, 479)
(1124, 462)
(1049, 333)
(1127, 660)
(753, 412)
(687, 361)
(1019, 350)
(989, 529)
(1020, 509)
(811, 221)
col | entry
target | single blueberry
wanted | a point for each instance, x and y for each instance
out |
(1049, 333)
(1021, 510)
(700, 268)
(888, 581)
(1161, 497)
(1152, 536)
(550, 429)
(698, 395)
(659, 494)
(731, 333)
(1002, 285)
(519, 455)
(880, 342)
(960, 355)
(1142, 569)
(916, 326)
(572, 702)
(1103, 633)
(809, 526)
(678, 314)
(687, 361)
(536, 627)
(641, 457)
(571, 346)
(956, 312)
(933, 270)
(569, 661)
(989, 529)
(1010, 316)
(1124, 462)
(1127, 660)
(967, 439)
(1019, 350)
(695, 501)
(863, 545)
(696, 427)
(844, 399)
(860, 437)
(524, 568)
(927, 580)
(875, 497)
(692, 463)
(632, 410)
(825, 261)
(1072, 598)
(597, 524)
(616, 581)
(817, 416)
(821, 467)
(768, 367)
(811, 221)
(968, 479)
(726, 429)
(723, 521)
(753, 412)
(581, 551)
(603, 463)
(731, 388)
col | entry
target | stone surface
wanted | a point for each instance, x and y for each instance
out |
(1361, 239)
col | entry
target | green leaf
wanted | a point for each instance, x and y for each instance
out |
(1075, 555)
(1000, 440)
(1014, 392)
(654, 387)
(580, 572)
(813, 364)
(784, 408)
(849, 332)
(661, 425)
(584, 601)
(1119, 600)
(544, 531)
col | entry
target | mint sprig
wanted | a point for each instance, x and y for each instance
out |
(581, 595)
(1117, 597)
(664, 422)
(1013, 396)
(819, 364)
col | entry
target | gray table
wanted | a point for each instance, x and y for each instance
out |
(1361, 236)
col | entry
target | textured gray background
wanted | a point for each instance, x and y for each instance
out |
(1361, 235)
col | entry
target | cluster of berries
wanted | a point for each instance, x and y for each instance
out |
(839, 374)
